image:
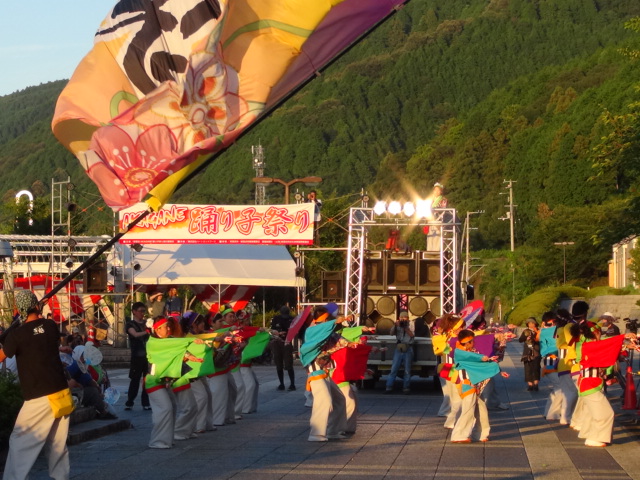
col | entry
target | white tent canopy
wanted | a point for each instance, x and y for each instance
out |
(212, 264)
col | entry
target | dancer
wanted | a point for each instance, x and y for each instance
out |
(35, 347)
(549, 353)
(328, 413)
(566, 360)
(162, 416)
(596, 420)
(445, 329)
(474, 371)
(194, 324)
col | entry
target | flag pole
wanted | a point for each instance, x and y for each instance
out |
(65, 281)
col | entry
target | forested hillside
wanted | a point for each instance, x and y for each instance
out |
(468, 93)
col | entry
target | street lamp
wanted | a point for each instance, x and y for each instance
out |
(287, 184)
(564, 258)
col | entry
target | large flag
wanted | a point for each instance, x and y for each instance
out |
(475, 367)
(314, 339)
(168, 83)
(601, 354)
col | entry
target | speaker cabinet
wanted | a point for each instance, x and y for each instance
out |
(470, 291)
(370, 305)
(332, 286)
(95, 278)
(418, 306)
(381, 323)
(436, 306)
(386, 305)
(384, 326)
(428, 275)
(401, 275)
(374, 272)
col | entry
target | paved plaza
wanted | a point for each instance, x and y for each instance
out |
(399, 437)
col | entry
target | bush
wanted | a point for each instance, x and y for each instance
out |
(542, 301)
(604, 290)
(10, 403)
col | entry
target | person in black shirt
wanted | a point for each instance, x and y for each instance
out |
(138, 336)
(281, 349)
(35, 345)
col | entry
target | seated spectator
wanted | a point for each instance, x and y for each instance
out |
(75, 339)
(80, 380)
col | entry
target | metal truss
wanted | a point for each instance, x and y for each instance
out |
(362, 219)
(359, 219)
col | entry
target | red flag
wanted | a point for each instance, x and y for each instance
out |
(601, 354)
(351, 363)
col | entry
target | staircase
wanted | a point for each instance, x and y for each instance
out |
(114, 357)
(85, 426)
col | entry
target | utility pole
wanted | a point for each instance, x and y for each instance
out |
(259, 165)
(511, 217)
(510, 214)
(564, 258)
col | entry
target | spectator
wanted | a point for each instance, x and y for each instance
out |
(173, 306)
(531, 354)
(403, 354)
(609, 329)
(139, 367)
(80, 379)
(282, 350)
(156, 304)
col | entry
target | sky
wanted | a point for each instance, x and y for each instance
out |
(44, 40)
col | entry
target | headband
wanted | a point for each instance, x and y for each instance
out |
(160, 322)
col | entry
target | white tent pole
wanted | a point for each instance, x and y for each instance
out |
(264, 312)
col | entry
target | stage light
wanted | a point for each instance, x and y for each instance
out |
(137, 266)
(137, 247)
(72, 243)
(68, 262)
(423, 208)
(394, 207)
(409, 209)
(380, 207)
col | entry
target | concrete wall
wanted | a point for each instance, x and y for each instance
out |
(621, 306)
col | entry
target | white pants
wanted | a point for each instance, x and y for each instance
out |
(597, 418)
(553, 408)
(308, 398)
(201, 395)
(35, 428)
(473, 413)
(186, 414)
(163, 418)
(578, 415)
(569, 397)
(445, 407)
(328, 414)
(240, 390)
(230, 416)
(219, 397)
(455, 402)
(350, 393)
(251, 388)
